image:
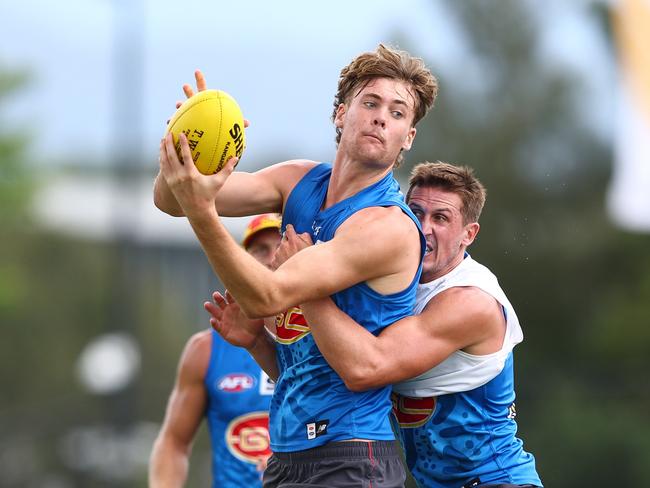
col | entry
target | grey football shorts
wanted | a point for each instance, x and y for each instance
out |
(349, 464)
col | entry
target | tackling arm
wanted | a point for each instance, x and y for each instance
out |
(458, 318)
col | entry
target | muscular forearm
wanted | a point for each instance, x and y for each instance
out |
(251, 283)
(168, 466)
(351, 350)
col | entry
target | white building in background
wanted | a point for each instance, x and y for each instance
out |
(95, 207)
(162, 252)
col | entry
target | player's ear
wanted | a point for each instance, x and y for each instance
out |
(471, 231)
(340, 115)
(408, 142)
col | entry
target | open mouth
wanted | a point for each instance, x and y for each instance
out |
(429, 249)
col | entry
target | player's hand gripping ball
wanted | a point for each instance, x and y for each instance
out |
(214, 126)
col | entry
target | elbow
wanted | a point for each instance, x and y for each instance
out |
(163, 206)
(362, 379)
(265, 301)
(355, 386)
(255, 312)
(167, 445)
(258, 309)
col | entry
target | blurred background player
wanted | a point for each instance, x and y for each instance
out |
(225, 385)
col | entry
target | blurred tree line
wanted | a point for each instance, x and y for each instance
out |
(581, 287)
(57, 294)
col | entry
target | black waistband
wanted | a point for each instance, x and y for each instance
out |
(346, 449)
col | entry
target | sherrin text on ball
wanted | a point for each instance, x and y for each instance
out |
(214, 126)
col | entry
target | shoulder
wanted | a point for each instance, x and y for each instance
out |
(287, 174)
(383, 215)
(199, 341)
(380, 221)
(382, 238)
(292, 167)
(196, 354)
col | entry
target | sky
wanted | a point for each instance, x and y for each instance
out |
(280, 60)
(106, 73)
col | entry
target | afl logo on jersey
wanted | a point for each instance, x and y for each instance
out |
(235, 382)
(290, 326)
(247, 437)
(412, 412)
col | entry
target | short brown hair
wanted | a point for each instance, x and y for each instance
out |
(386, 62)
(457, 179)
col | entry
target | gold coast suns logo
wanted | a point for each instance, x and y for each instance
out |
(291, 326)
(412, 412)
(247, 437)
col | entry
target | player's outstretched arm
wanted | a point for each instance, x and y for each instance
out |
(169, 461)
(243, 193)
(363, 250)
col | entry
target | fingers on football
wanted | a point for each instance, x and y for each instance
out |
(186, 152)
(200, 80)
(229, 167)
(170, 151)
(188, 90)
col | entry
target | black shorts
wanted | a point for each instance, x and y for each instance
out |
(352, 464)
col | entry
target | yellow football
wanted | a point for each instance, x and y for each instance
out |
(214, 126)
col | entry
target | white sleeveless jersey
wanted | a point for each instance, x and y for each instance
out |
(462, 371)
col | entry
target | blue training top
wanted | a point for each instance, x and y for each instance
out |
(454, 439)
(239, 393)
(311, 405)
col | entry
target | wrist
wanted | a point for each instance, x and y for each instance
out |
(261, 342)
(202, 215)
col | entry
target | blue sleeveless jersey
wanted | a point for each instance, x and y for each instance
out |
(452, 439)
(239, 393)
(311, 405)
